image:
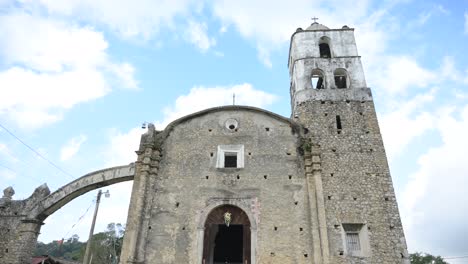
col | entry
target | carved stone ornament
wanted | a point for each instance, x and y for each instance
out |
(227, 218)
(8, 193)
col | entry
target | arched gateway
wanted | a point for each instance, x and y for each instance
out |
(21, 220)
(227, 236)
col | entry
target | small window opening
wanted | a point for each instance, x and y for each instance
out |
(295, 203)
(352, 241)
(207, 177)
(211, 154)
(177, 204)
(341, 78)
(324, 50)
(355, 239)
(331, 174)
(183, 228)
(232, 127)
(329, 197)
(317, 80)
(340, 81)
(238, 177)
(301, 229)
(209, 130)
(265, 176)
(276, 228)
(267, 128)
(290, 177)
(338, 122)
(149, 227)
(272, 254)
(230, 160)
(306, 255)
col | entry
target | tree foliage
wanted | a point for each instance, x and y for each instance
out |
(424, 258)
(105, 246)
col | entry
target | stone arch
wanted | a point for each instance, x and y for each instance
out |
(341, 78)
(26, 219)
(91, 181)
(325, 47)
(317, 79)
(241, 205)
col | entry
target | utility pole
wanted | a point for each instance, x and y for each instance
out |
(86, 259)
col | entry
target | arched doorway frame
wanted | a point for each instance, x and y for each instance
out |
(241, 203)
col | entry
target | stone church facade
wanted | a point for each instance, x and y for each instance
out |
(242, 185)
(238, 184)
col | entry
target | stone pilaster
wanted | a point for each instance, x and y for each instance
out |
(146, 167)
(316, 202)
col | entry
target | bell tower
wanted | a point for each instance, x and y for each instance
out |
(354, 203)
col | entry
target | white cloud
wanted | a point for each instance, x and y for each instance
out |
(72, 147)
(201, 97)
(63, 66)
(270, 24)
(435, 195)
(403, 73)
(196, 33)
(138, 18)
(122, 147)
(406, 122)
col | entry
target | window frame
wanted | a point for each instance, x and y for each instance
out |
(237, 150)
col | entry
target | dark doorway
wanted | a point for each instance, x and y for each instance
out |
(228, 244)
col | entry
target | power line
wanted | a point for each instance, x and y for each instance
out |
(457, 257)
(10, 169)
(36, 152)
(79, 219)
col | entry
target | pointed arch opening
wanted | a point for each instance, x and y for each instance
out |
(341, 78)
(324, 47)
(227, 241)
(317, 79)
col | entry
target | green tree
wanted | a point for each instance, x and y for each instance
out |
(106, 246)
(67, 249)
(424, 258)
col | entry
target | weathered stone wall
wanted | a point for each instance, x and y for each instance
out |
(356, 180)
(270, 187)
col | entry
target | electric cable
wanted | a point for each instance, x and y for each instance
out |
(36, 152)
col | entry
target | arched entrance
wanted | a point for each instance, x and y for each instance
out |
(227, 244)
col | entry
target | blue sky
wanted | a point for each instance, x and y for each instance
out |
(77, 79)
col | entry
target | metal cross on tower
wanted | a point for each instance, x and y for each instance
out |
(315, 19)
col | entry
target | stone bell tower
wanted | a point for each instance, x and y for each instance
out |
(356, 210)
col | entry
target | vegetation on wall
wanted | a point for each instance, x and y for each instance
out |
(105, 246)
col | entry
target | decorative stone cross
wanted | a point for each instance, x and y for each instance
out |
(315, 19)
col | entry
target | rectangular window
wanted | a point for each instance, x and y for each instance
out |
(352, 242)
(230, 156)
(356, 240)
(230, 160)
